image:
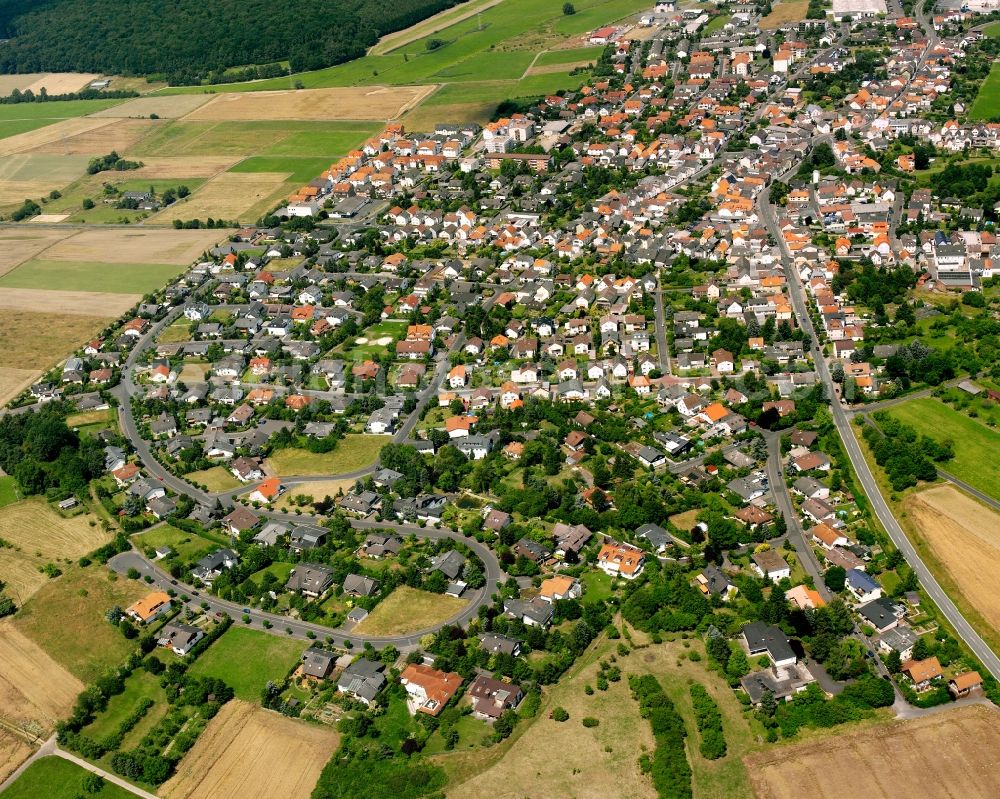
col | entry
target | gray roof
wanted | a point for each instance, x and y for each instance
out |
(765, 637)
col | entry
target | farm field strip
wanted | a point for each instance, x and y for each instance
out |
(82, 276)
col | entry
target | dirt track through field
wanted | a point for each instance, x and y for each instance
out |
(964, 536)
(250, 753)
(950, 754)
(356, 102)
(33, 687)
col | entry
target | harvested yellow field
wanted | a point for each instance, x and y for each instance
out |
(250, 753)
(37, 535)
(119, 136)
(33, 687)
(14, 750)
(951, 753)
(96, 308)
(356, 102)
(47, 219)
(138, 246)
(166, 107)
(61, 82)
(24, 341)
(425, 117)
(57, 132)
(594, 763)
(964, 537)
(13, 381)
(18, 244)
(785, 12)
(231, 195)
(181, 167)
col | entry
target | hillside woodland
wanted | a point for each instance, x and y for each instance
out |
(190, 41)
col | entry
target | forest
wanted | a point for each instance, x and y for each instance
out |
(185, 41)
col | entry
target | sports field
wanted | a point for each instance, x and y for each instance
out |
(987, 104)
(977, 447)
(246, 659)
(891, 761)
(246, 752)
(409, 610)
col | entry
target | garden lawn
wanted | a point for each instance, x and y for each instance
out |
(139, 685)
(55, 778)
(246, 660)
(188, 546)
(90, 276)
(977, 447)
(353, 452)
(597, 586)
(279, 570)
(409, 610)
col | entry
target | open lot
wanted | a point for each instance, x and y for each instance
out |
(250, 753)
(353, 452)
(964, 537)
(785, 12)
(372, 102)
(34, 689)
(315, 490)
(218, 478)
(90, 276)
(66, 619)
(38, 535)
(189, 546)
(231, 195)
(891, 761)
(977, 447)
(409, 610)
(247, 659)
(55, 778)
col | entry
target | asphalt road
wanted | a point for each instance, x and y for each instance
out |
(864, 474)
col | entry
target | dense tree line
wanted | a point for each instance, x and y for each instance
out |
(43, 454)
(906, 456)
(188, 40)
(669, 768)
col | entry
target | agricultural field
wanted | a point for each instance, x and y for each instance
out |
(132, 280)
(962, 535)
(55, 778)
(409, 610)
(247, 659)
(163, 107)
(977, 447)
(988, 100)
(296, 170)
(14, 750)
(373, 102)
(890, 762)
(353, 452)
(248, 752)
(177, 247)
(13, 381)
(431, 25)
(66, 619)
(38, 535)
(33, 174)
(118, 135)
(785, 12)
(35, 691)
(53, 82)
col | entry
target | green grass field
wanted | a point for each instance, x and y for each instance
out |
(8, 491)
(353, 452)
(14, 126)
(55, 778)
(188, 546)
(716, 24)
(977, 447)
(59, 170)
(987, 104)
(325, 139)
(218, 478)
(301, 170)
(246, 660)
(90, 276)
(571, 56)
(54, 110)
(279, 570)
